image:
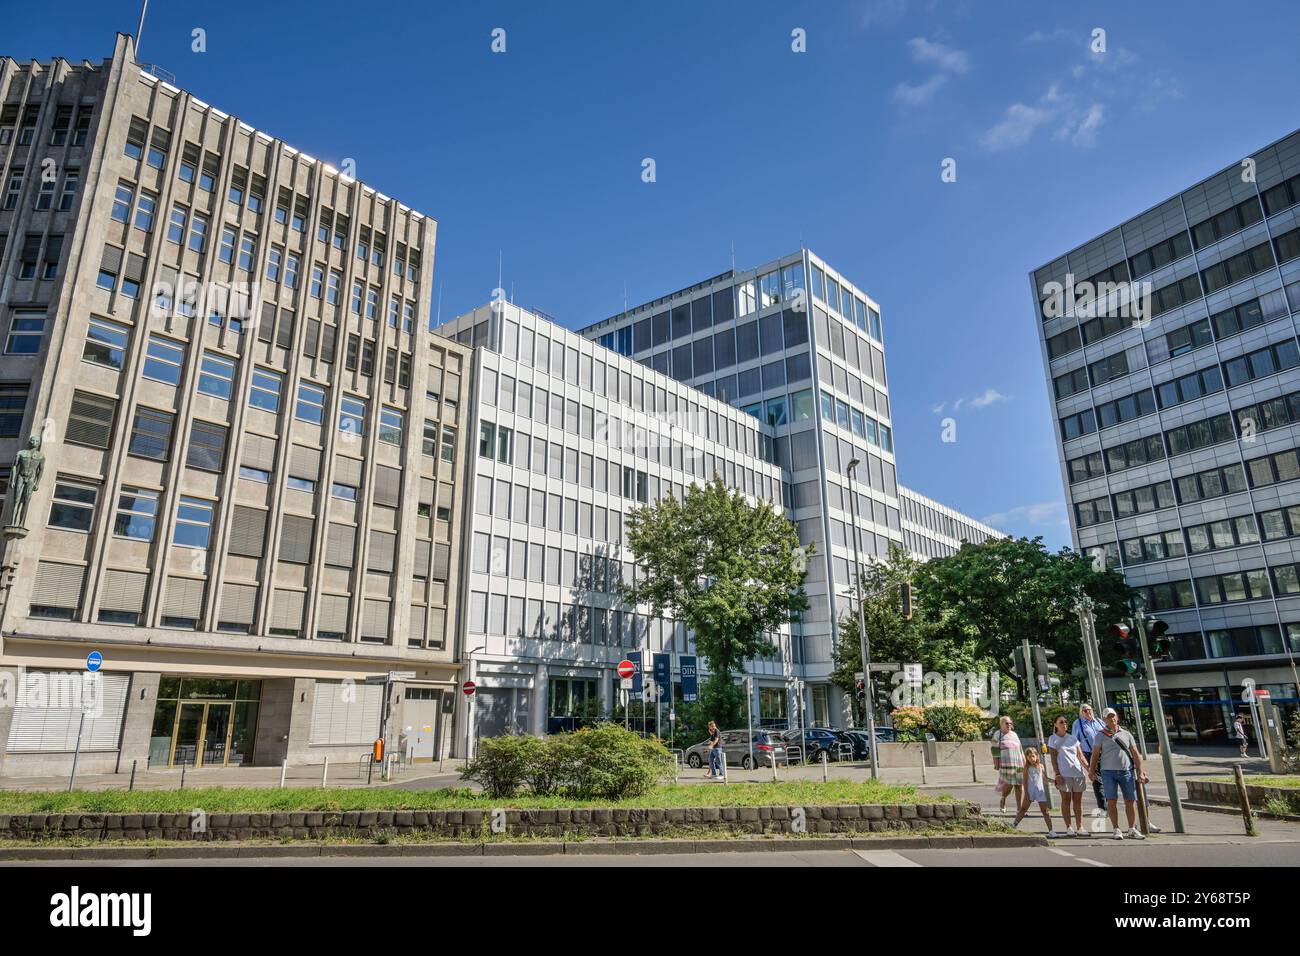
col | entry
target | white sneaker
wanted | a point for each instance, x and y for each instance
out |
(1153, 828)
(1135, 834)
(1119, 834)
(1071, 832)
(1053, 835)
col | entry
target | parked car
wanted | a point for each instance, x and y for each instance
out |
(816, 740)
(767, 747)
(858, 738)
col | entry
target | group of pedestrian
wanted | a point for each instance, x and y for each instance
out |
(1093, 750)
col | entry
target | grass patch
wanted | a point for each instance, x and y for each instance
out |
(270, 800)
(1291, 782)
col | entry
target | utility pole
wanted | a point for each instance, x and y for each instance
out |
(1091, 653)
(1038, 719)
(1158, 715)
(864, 642)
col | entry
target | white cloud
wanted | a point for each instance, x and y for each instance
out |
(1042, 514)
(907, 94)
(1016, 127)
(990, 396)
(882, 12)
(944, 57)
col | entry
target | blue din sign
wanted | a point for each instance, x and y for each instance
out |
(690, 677)
(663, 671)
(635, 658)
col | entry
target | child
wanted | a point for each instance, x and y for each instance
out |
(1035, 790)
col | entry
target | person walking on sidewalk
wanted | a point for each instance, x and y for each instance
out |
(1239, 733)
(1035, 791)
(1067, 762)
(1009, 761)
(717, 756)
(1116, 759)
(1085, 730)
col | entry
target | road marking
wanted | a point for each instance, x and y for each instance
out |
(885, 858)
(1053, 849)
(1081, 859)
(1084, 859)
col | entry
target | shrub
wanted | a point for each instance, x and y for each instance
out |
(610, 763)
(909, 723)
(503, 764)
(955, 720)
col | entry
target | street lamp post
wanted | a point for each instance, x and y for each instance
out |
(863, 641)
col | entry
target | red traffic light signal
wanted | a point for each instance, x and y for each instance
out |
(1119, 631)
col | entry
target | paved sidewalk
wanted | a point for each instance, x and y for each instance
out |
(350, 774)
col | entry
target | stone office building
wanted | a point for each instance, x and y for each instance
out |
(253, 447)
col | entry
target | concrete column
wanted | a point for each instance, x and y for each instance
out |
(605, 688)
(9, 677)
(137, 722)
(541, 688)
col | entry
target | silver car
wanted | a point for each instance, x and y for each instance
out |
(767, 748)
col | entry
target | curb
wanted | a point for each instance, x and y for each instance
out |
(507, 849)
(1228, 809)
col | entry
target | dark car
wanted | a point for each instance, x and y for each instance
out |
(858, 738)
(816, 741)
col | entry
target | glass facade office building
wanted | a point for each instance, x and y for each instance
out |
(773, 378)
(1178, 423)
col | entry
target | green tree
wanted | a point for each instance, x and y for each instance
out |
(1006, 590)
(732, 572)
(894, 639)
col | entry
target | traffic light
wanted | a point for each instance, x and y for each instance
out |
(1130, 655)
(905, 600)
(1044, 669)
(1160, 643)
(1017, 663)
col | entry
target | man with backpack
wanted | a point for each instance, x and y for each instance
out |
(1115, 757)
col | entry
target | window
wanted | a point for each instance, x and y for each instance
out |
(216, 376)
(13, 188)
(448, 444)
(176, 224)
(332, 290)
(163, 360)
(26, 332)
(105, 343)
(193, 522)
(90, 420)
(207, 450)
(73, 506)
(273, 262)
(352, 414)
(291, 266)
(264, 392)
(311, 403)
(247, 252)
(71, 179)
(123, 196)
(137, 513)
(1199, 434)
(13, 402)
(198, 232)
(391, 425)
(151, 434)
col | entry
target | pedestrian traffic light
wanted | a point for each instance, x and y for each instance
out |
(1044, 669)
(1160, 643)
(1017, 663)
(905, 597)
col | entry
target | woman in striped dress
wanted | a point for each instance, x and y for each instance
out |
(1010, 761)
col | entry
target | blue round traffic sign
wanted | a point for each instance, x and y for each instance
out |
(94, 661)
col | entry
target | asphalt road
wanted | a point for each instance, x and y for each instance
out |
(1085, 855)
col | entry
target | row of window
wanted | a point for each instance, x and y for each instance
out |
(63, 130)
(542, 564)
(1281, 581)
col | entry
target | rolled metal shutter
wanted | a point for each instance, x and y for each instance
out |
(286, 610)
(296, 535)
(423, 558)
(418, 623)
(347, 471)
(238, 603)
(441, 561)
(248, 531)
(381, 552)
(49, 707)
(374, 619)
(332, 614)
(183, 597)
(258, 452)
(304, 462)
(388, 486)
(90, 421)
(123, 591)
(437, 633)
(58, 585)
(345, 712)
(340, 545)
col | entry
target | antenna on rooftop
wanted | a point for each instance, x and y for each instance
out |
(439, 322)
(733, 254)
(139, 31)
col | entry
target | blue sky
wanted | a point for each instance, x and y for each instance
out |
(535, 154)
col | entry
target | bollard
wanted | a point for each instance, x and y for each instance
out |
(324, 772)
(183, 766)
(774, 766)
(923, 763)
(974, 774)
(131, 785)
(284, 768)
(1246, 815)
(824, 766)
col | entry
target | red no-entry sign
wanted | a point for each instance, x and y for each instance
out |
(626, 669)
(468, 688)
